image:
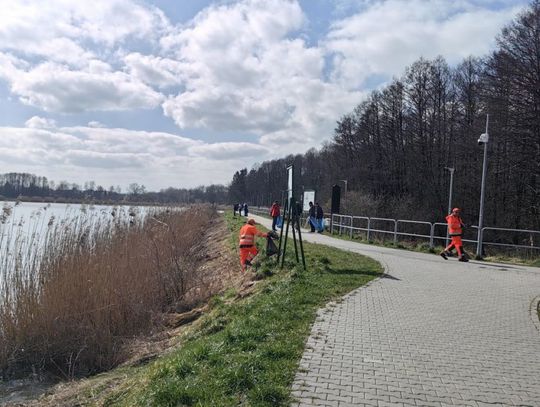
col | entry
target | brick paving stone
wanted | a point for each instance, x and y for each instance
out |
(435, 333)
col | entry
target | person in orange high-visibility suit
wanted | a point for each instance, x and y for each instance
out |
(455, 231)
(248, 250)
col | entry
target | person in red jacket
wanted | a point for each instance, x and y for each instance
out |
(275, 212)
(248, 250)
(455, 231)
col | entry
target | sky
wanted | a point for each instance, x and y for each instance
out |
(183, 93)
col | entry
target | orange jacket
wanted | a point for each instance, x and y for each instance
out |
(455, 225)
(247, 235)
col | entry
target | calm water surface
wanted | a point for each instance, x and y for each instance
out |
(19, 219)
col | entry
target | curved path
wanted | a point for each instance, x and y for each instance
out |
(429, 333)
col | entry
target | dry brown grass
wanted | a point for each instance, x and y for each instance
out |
(97, 285)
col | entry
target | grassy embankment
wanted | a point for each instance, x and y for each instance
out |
(246, 351)
(75, 293)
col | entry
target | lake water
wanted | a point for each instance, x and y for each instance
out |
(24, 226)
(31, 215)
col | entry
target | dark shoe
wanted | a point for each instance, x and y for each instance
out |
(247, 263)
(463, 258)
(444, 255)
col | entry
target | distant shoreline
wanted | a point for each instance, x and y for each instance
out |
(88, 202)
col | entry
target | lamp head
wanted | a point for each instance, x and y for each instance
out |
(483, 139)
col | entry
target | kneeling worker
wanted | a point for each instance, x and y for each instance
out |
(248, 250)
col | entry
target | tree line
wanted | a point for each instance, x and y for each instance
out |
(392, 149)
(25, 186)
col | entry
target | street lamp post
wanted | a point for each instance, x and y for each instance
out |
(345, 182)
(451, 186)
(451, 169)
(484, 138)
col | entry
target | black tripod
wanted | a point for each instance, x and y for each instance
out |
(292, 214)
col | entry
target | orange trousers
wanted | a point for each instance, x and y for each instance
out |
(457, 243)
(247, 253)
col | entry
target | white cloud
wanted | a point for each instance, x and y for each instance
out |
(93, 159)
(229, 150)
(61, 55)
(231, 77)
(132, 141)
(112, 156)
(55, 87)
(95, 123)
(385, 37)
(10, 65)
(37, 122)
(152, 70)
(244, 70)
(61, 29)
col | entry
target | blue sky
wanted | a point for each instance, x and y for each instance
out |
(183, 93)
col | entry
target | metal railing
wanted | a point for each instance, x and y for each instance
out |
(431, 231)
(341, 223)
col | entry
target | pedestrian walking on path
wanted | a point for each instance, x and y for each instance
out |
(455, 231)
(312, 217)
(319, 214)
(275, 213)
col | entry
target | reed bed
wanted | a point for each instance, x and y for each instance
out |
(73, 295)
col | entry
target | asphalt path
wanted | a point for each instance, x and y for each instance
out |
(430, 332)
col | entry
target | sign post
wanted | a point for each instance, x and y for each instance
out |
(336, 198)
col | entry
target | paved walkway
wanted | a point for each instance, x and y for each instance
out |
(431, 333)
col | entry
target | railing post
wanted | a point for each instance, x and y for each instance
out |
(368, 228)
(352, 222)
(432, 232)
(395, 230)
(332, 224)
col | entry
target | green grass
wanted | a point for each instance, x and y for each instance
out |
(247, 352)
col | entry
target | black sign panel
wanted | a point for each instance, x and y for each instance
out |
(336, 198)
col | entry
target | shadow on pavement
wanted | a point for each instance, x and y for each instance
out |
(390, 277)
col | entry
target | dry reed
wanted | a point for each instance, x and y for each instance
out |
(71, 298)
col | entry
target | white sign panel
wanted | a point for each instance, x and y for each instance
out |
(289, 183)
(309, 196)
